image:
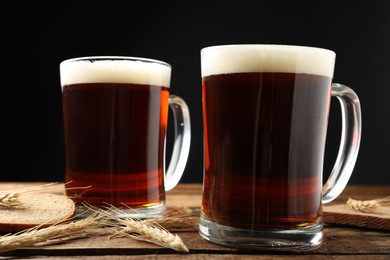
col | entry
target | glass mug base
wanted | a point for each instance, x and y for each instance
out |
(307, 238)
(138, 213)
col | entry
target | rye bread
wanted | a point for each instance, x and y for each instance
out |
(36, 209)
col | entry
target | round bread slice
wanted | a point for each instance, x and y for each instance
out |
(35, 209)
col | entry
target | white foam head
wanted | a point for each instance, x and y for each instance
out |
(115, 70)
(266, 58)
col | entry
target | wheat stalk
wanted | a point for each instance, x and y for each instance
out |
(137, 229)
(180, 219)
(152, 234)
(38, 236)
(11, 198)
(368, 205)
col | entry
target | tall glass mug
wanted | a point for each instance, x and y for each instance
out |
(115, 116)
(265, 114)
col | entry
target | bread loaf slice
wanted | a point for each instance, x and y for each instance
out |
(36, 209)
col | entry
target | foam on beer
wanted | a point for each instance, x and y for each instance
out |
(267, 58)
(115, 70)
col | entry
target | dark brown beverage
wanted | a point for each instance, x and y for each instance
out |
(264, 137)
(115, 134)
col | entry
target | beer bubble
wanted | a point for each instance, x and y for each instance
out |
(115, 70)
(243, 58)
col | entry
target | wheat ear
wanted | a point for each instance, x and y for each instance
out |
(38, 236)
(151, 233)
(9, 199)
(136, 229)
(368, 205)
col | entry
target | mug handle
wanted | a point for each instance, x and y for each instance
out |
(181, 147)
(349, 144)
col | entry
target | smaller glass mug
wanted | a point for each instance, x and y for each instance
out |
(115, 120)
(265, 114)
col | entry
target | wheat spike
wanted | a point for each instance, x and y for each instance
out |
(151, 233)
(9, 199)
(135, 228)
(45, 236)
(368, 205)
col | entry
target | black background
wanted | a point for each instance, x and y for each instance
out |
(36, 37)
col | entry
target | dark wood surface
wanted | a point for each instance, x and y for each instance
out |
(340, 241)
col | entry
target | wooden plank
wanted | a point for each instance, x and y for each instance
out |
(338, 212)
(212, 256)
(185, 195)
(339, 240)
(341, 214)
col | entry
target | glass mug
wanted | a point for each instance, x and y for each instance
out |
(265, 113)
(115, 120)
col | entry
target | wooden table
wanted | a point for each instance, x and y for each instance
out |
(346, 242)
